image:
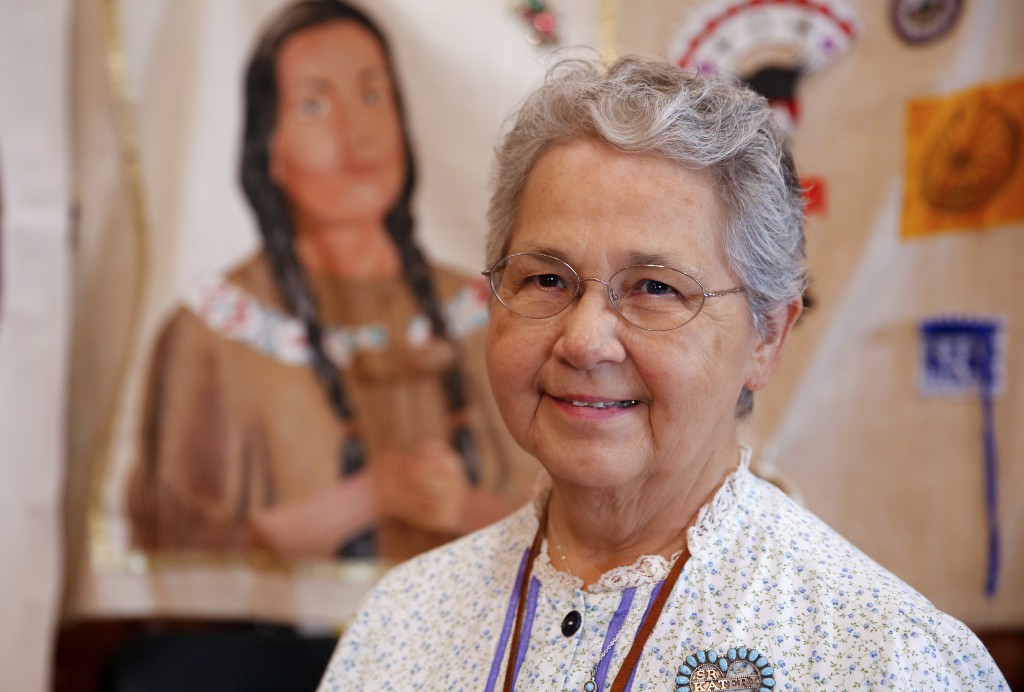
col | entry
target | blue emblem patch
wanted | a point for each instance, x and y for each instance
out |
(961, 355)
(740, 669)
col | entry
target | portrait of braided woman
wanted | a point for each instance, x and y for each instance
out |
(646, 263)
(326, 397)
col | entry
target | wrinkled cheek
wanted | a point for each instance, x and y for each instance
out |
(500, 355)
(511, 371)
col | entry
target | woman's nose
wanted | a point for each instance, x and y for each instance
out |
(590, 329)
(353, 126)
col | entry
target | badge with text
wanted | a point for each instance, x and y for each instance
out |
(962, 355)
(965, 356)
(740, 669)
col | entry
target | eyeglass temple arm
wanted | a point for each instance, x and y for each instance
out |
(717, 294)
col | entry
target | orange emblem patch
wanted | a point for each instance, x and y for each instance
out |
(963, 165)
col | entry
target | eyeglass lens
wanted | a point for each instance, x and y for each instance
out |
(649, 297)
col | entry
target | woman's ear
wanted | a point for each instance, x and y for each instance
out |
(768, 351)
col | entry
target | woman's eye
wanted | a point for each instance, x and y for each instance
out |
(547, 280)
(313, 107)
(654, 287)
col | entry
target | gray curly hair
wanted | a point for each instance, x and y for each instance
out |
(700, 122)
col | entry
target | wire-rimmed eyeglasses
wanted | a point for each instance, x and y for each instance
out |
(648, 296)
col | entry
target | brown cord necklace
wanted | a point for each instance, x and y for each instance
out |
(642, 634)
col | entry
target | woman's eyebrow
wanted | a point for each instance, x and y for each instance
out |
(670, 259)
(541, 250)
(375, 72)
(637, 257)
(673, 260)
(318, 84)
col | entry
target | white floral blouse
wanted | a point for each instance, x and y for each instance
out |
(770, 599)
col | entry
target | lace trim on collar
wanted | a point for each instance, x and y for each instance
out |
(647, 569)
(713, 514)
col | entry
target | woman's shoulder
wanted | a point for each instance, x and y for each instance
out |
(433, 610)
(856, 614)
(808, 549)
(472, 559)
(249, 280)
(255, 276)
(482, 564)
(182, 334)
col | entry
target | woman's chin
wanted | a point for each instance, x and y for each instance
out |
(593, 472)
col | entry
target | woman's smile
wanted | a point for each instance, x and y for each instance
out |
(602, 404)
(581, 407)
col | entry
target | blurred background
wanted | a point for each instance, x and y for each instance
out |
(894, 415)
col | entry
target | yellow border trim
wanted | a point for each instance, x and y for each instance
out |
(99, 549)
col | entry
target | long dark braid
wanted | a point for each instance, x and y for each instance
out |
(277, 228)
(417, 272)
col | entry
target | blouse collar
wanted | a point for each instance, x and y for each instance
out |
(714, 520)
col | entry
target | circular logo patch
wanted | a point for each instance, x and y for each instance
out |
(972, 158)
(922, 21)
(739, 669)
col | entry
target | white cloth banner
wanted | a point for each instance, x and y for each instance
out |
(34, 327)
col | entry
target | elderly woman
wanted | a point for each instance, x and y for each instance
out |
(646, 264)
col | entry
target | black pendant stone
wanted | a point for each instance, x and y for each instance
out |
(571, 623)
